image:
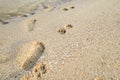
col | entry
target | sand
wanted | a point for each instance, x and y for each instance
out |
(77, 40)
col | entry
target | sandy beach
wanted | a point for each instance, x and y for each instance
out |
(60, 40)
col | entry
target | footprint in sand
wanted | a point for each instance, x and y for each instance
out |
(37, 72)
(48, 7)
(64, 29)
(68, 26)
(29, 54)
(3, 22)
(66, 9)
(61, 31)
(21, 14)
(32, 13)
(31, 25)
(72, 7)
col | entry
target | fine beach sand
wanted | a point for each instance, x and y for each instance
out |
(77, 40)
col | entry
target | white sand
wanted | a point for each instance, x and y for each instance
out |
(90, 50)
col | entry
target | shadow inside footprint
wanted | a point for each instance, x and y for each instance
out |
(31, 25)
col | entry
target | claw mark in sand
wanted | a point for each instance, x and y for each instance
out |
(68, 26)
(61, 31)
(66, 9)
(29, 54)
